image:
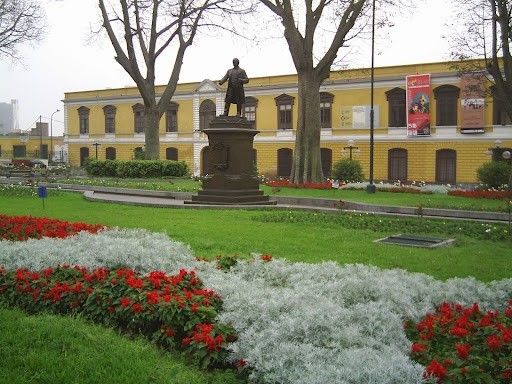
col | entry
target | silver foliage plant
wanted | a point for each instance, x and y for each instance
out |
(297, 322)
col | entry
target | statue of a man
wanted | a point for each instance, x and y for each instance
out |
(236, 78)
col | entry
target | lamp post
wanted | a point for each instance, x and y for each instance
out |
(96, 145)
(370, 188)
(508, 156)
(350, 147)
(51, 134)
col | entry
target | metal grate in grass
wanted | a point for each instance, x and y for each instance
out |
(416, 241)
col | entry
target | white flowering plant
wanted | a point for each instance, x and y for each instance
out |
(296, 322)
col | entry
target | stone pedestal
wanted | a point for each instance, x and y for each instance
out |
(230, 171)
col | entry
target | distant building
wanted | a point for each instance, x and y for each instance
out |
(9, 117)
(37, 130)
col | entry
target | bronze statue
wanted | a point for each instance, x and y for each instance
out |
(236, 78)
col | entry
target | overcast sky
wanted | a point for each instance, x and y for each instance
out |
(67, 60)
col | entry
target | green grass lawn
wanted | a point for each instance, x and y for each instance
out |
(61, 350)
(379, 198)
(53, 349)
(229, 232)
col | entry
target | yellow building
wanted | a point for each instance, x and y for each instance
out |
(23, 146)
(450, 151)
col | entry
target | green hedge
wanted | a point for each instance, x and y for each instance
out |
(136, 168)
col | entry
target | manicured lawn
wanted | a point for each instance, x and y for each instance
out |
(379, 198)
(228, 232)
(63, 350)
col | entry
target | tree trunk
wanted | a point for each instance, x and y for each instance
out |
(307, 164)
(152, 132)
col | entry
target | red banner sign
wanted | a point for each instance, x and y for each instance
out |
(472, 102)
(418, 105)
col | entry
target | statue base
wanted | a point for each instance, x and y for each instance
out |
(230, 170)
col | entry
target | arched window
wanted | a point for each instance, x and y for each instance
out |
(83, 115)
(171, 153)
(284, 104)
(110, 153)
(250, 106)
(84, 155)
(326, 157)
(446, 104)
(396, 107)
(284, 162)
(499, 115)
(397, 164)
(110, 118)
(207, 112)
(446, 166)
(171, 118)
(326, 99)
(138, 118)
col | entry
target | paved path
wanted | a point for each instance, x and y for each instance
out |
(177, 200)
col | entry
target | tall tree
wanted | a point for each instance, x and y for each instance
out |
(484, 30)
(141, 30)
(304, 25)
(21, 21)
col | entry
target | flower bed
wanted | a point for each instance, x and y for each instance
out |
(176, 311)
(482, 194)
(27, 227)
(464, 344)
(296, 323)
(284, 183)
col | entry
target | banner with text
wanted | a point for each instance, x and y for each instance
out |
(472, 102)
(418, 105)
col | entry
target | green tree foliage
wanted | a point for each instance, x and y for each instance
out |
(494, 174)
(348, 170)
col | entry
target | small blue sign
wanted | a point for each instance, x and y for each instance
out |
(42, 192)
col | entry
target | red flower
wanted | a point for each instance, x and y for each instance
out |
(125, 302)
(458, 331)
(137, 308)
(266, 258)
(463, 350)
(152, 297)
(435, 369)
(186, 341)
(506, 334)
(240, 363)
(418, 348)
(493, 342)
(134, 282)
(507, 374)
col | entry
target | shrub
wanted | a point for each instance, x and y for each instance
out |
(136, 168)
(494, 174)
(348, 170)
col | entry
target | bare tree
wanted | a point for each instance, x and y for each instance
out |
(304, 26)
(483, 31)
(21, 21)
(141, 30)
